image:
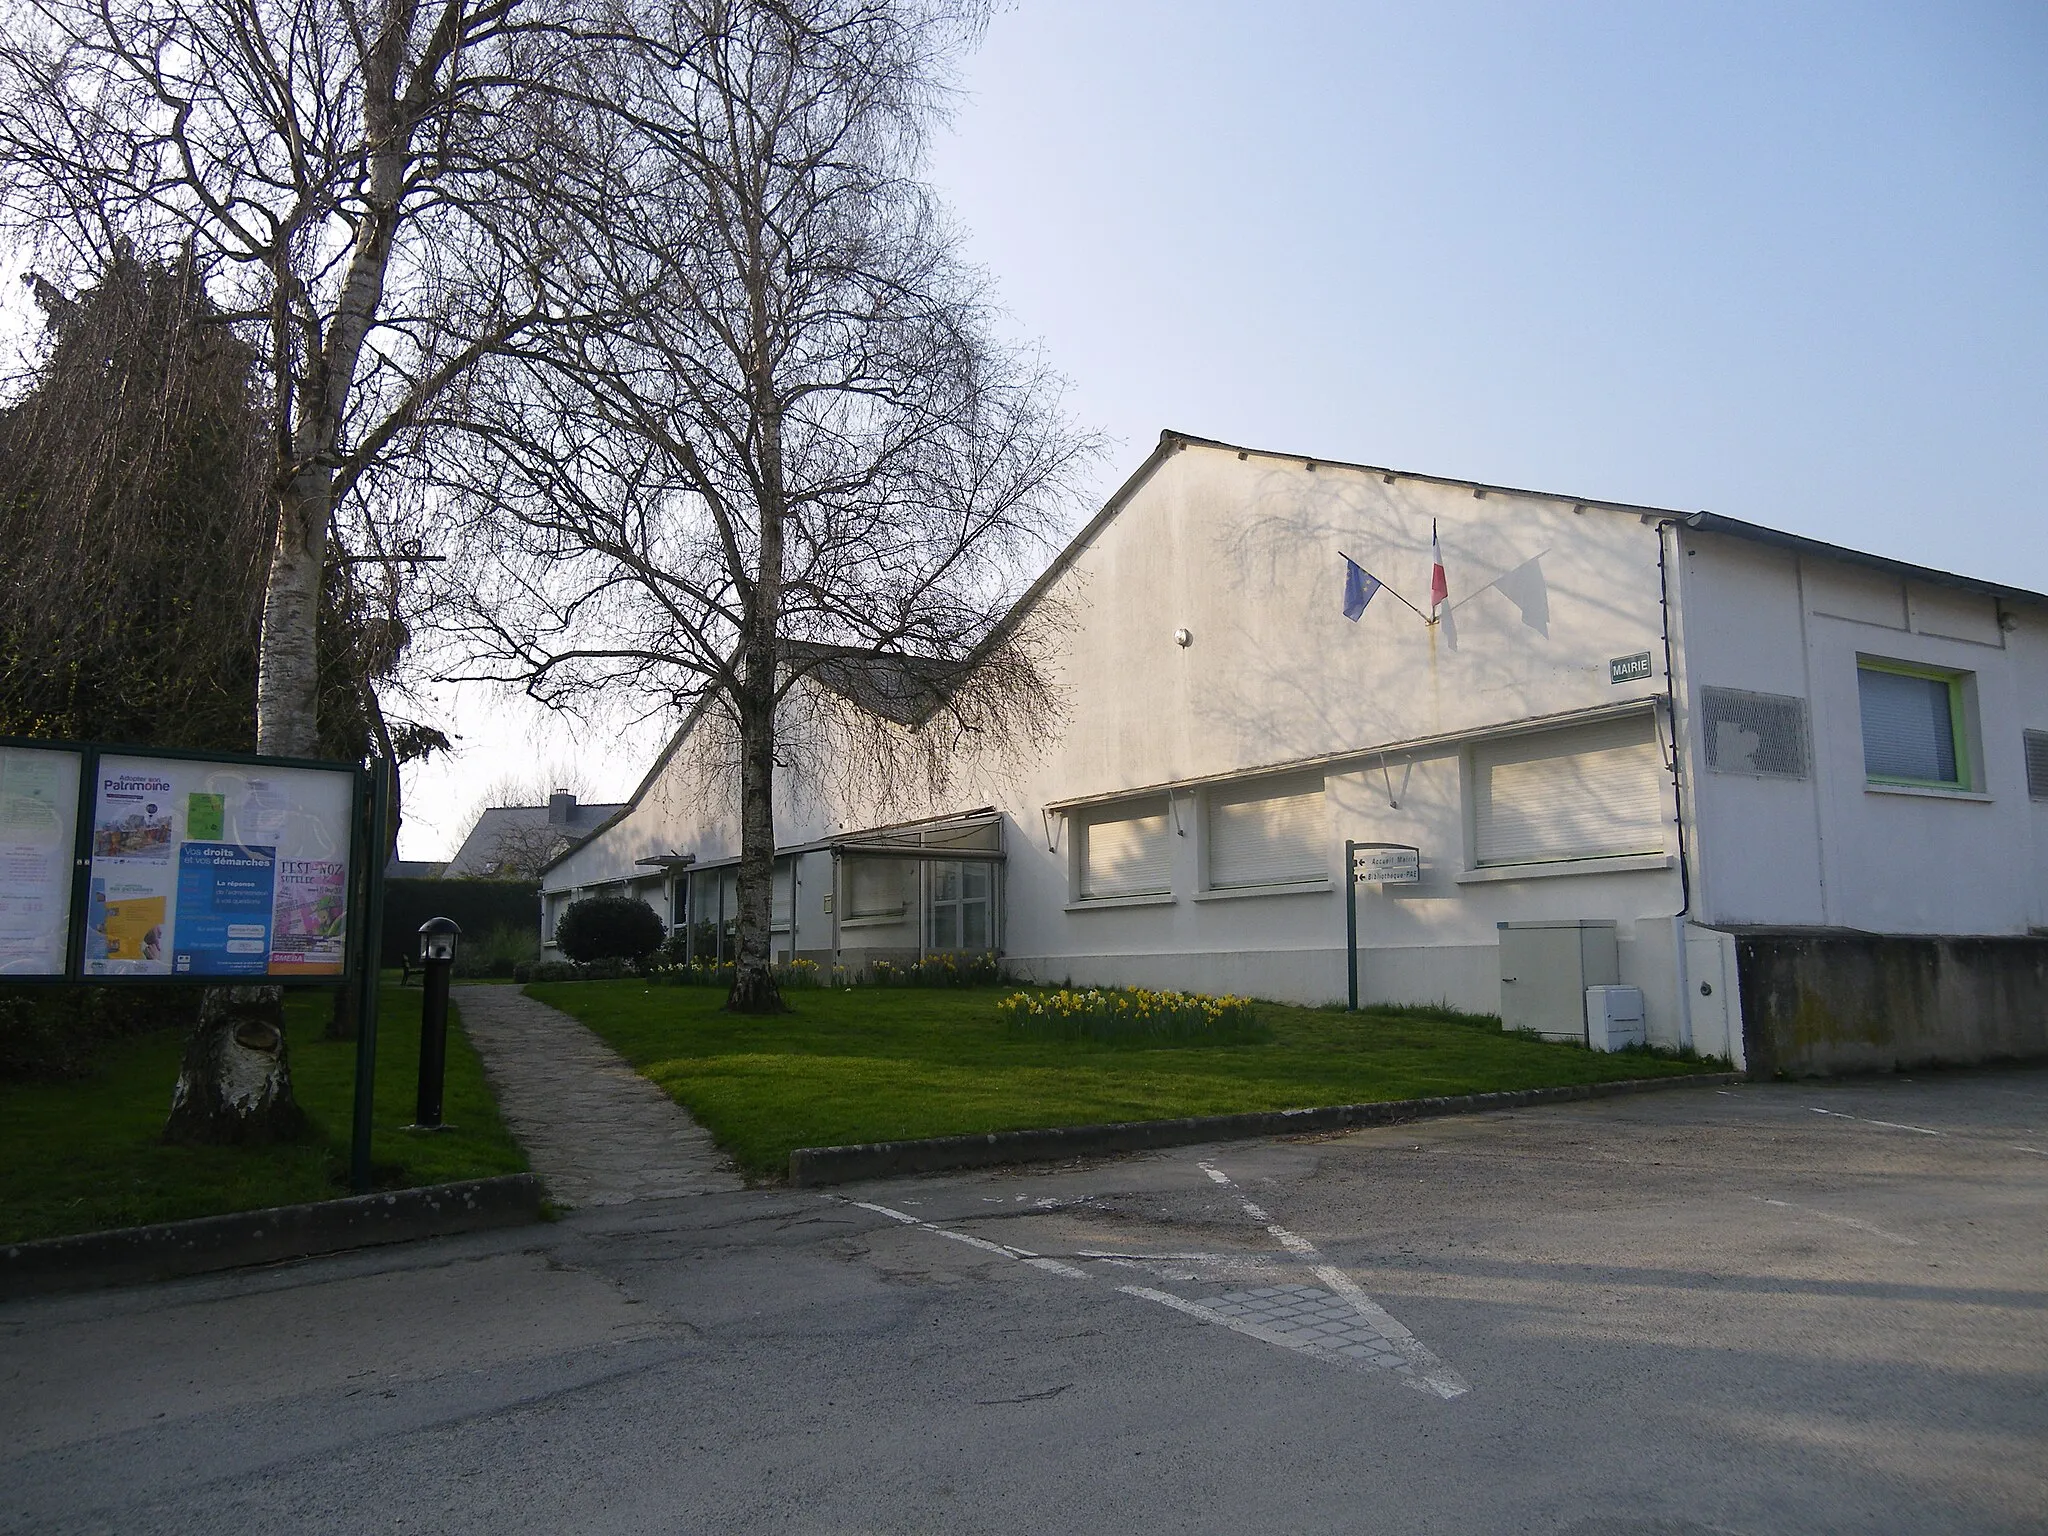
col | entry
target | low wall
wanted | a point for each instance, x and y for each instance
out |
(1819, 1004)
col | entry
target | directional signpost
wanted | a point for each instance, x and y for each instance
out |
(1377, 864)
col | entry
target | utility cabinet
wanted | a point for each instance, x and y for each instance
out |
(1545, 968)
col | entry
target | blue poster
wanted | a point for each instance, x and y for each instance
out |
(225, 892)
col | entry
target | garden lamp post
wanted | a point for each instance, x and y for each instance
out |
(437, 958)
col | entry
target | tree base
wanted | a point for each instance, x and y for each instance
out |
(235, 1083)
(755, 992)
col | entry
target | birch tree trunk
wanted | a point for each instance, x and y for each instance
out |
(234, 1083)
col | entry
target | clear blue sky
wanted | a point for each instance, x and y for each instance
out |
(1784, 262)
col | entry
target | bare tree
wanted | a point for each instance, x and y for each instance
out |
(341, 175)
(793, 453)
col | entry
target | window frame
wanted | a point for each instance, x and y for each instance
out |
(1965, 781)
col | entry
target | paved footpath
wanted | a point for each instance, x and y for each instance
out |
(598, 1132)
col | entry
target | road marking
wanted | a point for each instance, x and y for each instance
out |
(1845, 1221)
(1431, 1374)
(1890, 1125)
(1412, 1361)
(1022, 1255)
(2018, 1148)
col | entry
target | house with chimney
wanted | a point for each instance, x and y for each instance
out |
(515, 842)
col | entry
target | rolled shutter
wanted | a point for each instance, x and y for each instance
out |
(1908, 727)
(1268, 835)
(874, 887)
(1128, 852)
(1596, 792)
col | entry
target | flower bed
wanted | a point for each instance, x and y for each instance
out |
(1131, 1015)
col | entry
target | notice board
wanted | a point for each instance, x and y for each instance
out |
(118, 862)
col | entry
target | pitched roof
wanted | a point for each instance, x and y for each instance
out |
(483, 851)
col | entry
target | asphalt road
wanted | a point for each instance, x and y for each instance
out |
(1774, 1308)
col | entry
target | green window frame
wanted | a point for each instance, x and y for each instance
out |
(1958, 724)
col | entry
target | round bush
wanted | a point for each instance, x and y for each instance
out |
(609, 928)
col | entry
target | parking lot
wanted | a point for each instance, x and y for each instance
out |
(1784, 1307)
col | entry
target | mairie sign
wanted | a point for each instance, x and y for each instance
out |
(1387, 864)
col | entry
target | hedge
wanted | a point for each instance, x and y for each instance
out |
(477, 906)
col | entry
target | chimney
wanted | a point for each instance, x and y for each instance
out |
(561, 807)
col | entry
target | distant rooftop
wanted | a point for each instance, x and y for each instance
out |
(514, 841)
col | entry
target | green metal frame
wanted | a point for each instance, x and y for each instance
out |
(1958, 724)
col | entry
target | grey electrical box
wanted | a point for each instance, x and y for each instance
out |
(1545, 969)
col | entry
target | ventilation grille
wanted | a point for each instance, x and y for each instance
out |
(1754, 733)
(2037, 764)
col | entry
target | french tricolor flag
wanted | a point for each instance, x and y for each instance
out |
(1439, 589)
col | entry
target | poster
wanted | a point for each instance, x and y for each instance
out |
(310, 934)
(38, 832)
(218, 869)
(225, 897)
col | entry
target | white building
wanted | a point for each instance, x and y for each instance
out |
(1692, 729)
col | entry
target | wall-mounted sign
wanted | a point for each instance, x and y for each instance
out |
(1629, 669)
(38, 831)
(1386, 864)
(212, 868)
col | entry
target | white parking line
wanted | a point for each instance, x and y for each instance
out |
(1890, 1125)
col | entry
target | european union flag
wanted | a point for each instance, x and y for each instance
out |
(1359, 587)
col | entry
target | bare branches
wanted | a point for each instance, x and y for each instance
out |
(785, 477)
(357, 178)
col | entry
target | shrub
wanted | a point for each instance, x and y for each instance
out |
(51, 1033)
(983, 970)
(499, 952)
(794, 975)
(608, 928)
(1132, 1016)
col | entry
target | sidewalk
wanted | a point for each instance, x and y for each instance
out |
(597, 1132)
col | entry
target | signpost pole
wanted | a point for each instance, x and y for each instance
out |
(1351, 921)
(372, 920)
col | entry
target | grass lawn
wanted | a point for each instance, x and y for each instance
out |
(82, 1156)
(876, 1064)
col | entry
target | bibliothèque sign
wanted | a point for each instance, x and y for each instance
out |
(122, 863)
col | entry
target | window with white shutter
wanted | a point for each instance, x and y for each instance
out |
(1268, 834)
(1592, 792)
(876, 888)
(1127, 851)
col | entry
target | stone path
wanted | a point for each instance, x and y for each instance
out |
(597, 1131)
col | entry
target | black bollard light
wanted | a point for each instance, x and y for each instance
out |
(437, 960)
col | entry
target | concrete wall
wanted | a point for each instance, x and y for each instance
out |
(1815, 1005)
